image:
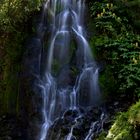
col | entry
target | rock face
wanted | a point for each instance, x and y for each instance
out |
(77, 124)
(83, 123)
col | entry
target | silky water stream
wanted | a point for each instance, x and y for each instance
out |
(70, 77)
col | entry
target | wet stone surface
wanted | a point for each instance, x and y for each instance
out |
(78, 120)
(13, 128)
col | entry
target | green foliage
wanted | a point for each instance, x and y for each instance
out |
(14, 12)
(14, 18)
(116, 44)
(123, 57)
(107, 19)
(134, 10)
(107, 83)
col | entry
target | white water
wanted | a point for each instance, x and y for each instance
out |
(70, 135)
(66, 19)
(96, 127)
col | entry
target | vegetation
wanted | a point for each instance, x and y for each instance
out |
(115, 43)
(118, 42)
(14, 23)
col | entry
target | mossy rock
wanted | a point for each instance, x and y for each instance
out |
(126, 125)
(134, 114)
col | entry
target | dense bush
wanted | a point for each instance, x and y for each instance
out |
(117, 43)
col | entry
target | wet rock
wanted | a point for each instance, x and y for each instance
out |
(78, 130)
(94, 113)
(80, 122)
(70, 115)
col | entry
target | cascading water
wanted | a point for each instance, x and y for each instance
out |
(68, 54)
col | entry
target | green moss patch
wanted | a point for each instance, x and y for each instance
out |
(126, 125)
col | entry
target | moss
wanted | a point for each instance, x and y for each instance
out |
(121, 129)
(134, 114)
(126, 125)
(102, 136)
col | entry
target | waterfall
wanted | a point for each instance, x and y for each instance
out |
(70, 78)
